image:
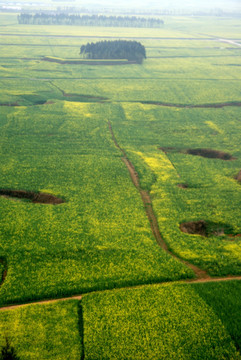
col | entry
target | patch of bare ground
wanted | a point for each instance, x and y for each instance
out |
(207, 228)
(35, 197)
(210, 153)
(147, 202)
(194, 227)
(207, 153)
(183, 186)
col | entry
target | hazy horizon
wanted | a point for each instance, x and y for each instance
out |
(135, 4)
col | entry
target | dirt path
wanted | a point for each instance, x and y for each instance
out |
(232, 42)
(147, 202)
(12, 307)
(80, 296)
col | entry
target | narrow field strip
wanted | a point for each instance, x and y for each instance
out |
(200, 274)
(80, 296)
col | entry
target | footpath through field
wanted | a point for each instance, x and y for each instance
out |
(80, 296)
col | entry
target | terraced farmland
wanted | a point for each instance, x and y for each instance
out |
(120, 196)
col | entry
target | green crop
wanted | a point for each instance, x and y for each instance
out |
(100, 237)
(55, 138)
(44, 331)
(224, 299)
(212, 192)
(156, 322)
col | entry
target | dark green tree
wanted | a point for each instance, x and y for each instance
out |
(88, 20)
(116, 49)
(8, 352)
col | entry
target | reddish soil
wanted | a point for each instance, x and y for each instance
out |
(35, 197)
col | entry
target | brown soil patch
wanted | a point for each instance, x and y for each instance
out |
(238, 176)
(183, 186)
(209, 153)
(35, 197)
(207, 228)
(194, 227)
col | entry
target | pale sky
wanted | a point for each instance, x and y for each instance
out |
(138, 4)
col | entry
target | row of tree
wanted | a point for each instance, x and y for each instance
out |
(117, 49)
(88, 20)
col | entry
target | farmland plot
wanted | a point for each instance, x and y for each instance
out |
(211, 192)
(156, 322)
(55, 125)
(100, 236)
(43, 331)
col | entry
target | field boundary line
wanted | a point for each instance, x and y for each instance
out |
(80, 296)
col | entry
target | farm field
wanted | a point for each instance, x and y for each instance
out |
(119, 183)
